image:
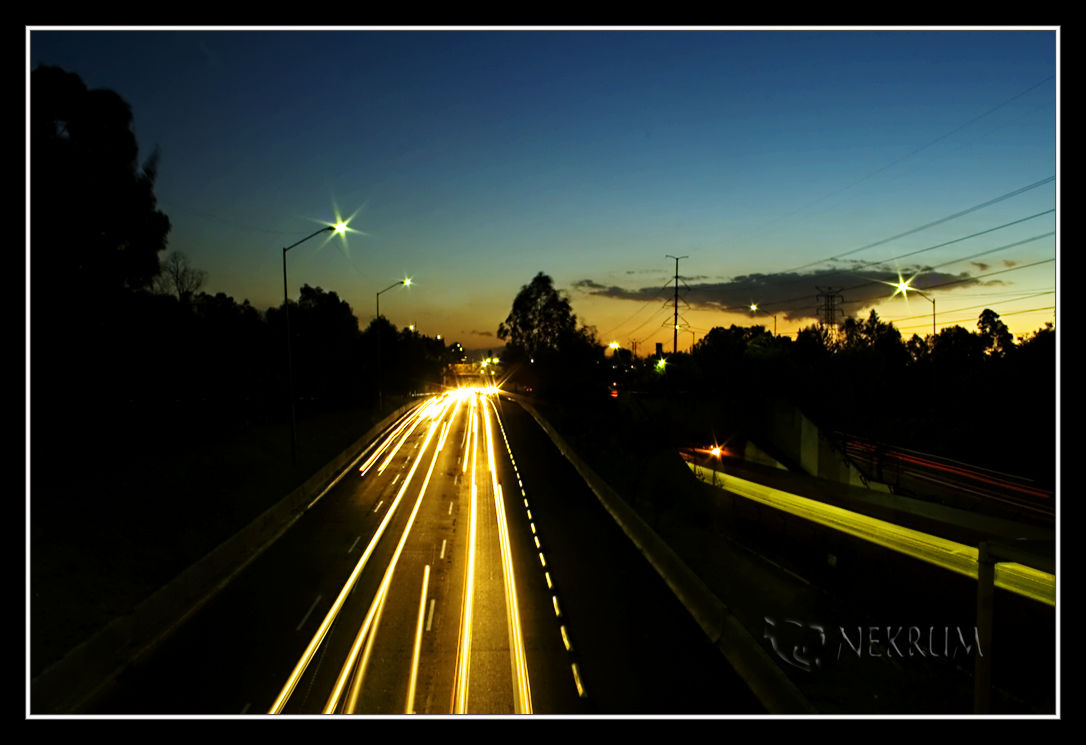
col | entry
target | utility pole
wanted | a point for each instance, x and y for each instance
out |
(675, 338)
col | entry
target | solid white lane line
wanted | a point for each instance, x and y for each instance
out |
(442, 549)
(430, 618)
(356, 540)
(306, 616)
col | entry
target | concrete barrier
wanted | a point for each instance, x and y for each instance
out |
(761, 674)
(67, 684)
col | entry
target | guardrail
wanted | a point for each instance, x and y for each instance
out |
(761, 674)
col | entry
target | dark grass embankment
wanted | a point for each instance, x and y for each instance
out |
(121, 504)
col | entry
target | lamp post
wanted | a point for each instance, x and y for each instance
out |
(380, 398)
(932, 314)
(754, 308)
(339, 228)
(903, 288)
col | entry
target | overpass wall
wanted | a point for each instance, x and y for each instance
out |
(800, 441)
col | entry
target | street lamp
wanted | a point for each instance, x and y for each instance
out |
(339, 227)
(903, 288)
(380, 399)
(755, 308)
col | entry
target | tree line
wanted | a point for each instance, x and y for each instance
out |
(122, 334)
(977, 395)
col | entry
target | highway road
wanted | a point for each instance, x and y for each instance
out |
(460, 567)
(912, 473)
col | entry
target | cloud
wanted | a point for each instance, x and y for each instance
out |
(981, 265)
(482, 333)
(1009, 264)
(791, 295)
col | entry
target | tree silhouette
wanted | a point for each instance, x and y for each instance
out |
(95, 226)
(541, 320)
(997, 337)
(543, 337)
(178, 278)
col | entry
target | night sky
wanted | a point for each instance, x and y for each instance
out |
(778, 161)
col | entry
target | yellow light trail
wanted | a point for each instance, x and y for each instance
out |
(410, 708)
(412, 417)
(355, 690)
(957, 557)
(402, 440)
(522, 691)
(318, 637)
(373, 616)
(460, 705)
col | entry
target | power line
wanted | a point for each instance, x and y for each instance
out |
(991, 274)
(216, 218)
(974, 307)
(945, 284)
(922, 165)
(993, 250)
(650, 318)
(959, 240)
(957, 321)
(913, 253)
(914, 152)
(646, 305)
(930, 287)
(940, 221)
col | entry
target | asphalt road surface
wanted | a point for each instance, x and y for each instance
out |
(463, 566)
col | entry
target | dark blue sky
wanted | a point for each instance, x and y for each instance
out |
(471, 160)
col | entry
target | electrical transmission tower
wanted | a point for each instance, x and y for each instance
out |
(829, 298)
